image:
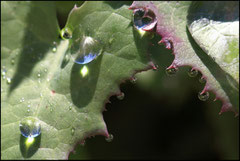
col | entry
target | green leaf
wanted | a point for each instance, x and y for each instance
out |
(42, 81)
(172, 21)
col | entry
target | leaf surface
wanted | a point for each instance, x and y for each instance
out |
(172, 21)
(48, 85)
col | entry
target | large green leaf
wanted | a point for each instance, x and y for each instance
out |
(172, 21)
(47, 85)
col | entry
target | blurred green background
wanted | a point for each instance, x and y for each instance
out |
(161, 116)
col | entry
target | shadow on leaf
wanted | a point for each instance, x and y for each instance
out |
(29, 149)
(39, 34)
(83, 82)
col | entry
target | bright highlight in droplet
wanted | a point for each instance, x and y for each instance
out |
(141, 32)
(29, 140)
(84, 71)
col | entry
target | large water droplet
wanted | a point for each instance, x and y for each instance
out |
(171, 71)
(192, 73)
(203, 96)
(109, 138)
(85, 49)
(30, 127)
(121, 96)
(144, 20)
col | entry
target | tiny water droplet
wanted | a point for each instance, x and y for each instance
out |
(155, 67)
(109, 138)
(70, 107)
(121, 96)
(202, 80)
(204, 96)
(192, 73)
(29, 106)
(39, 75)
(30, 127)
(54, 49)
(133, 80)
(73, 131)
(12, 61)
(83, 143)
(171, 71)
(45, 70)
(41, 95)
(66, 33)
(9, 80)
(51, 110)
(28, 110)
(4, 72)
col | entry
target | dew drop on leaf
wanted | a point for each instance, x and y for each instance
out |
(9, 80)
(30, 127)
(171, 71)
(12, 61)
(54, 49)
(39, 75)
(202, 80)
(85, 49)
(133, 80)
(192, 73)
(66, 33)
(121, 96)
(73, 131)
(203, 96)
(109, 138)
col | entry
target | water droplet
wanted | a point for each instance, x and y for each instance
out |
(4, 72)
(29, 106)
(51, 110)
(12, 61)
(39, 75)
(9, 80)
(171, 71)
(54, 49)
(133, 80)
(30, 127)
(155, 67)
(41, 95)
(85, 49)
(66, 33)
(45, 70)
(83, 143)
(202, 80)
(109, 138)
(203, 96)
(73, 131)
(22, 99)
(70, 107)
(192, 73)
(121, 96)
(140, 21)
(28, 110)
